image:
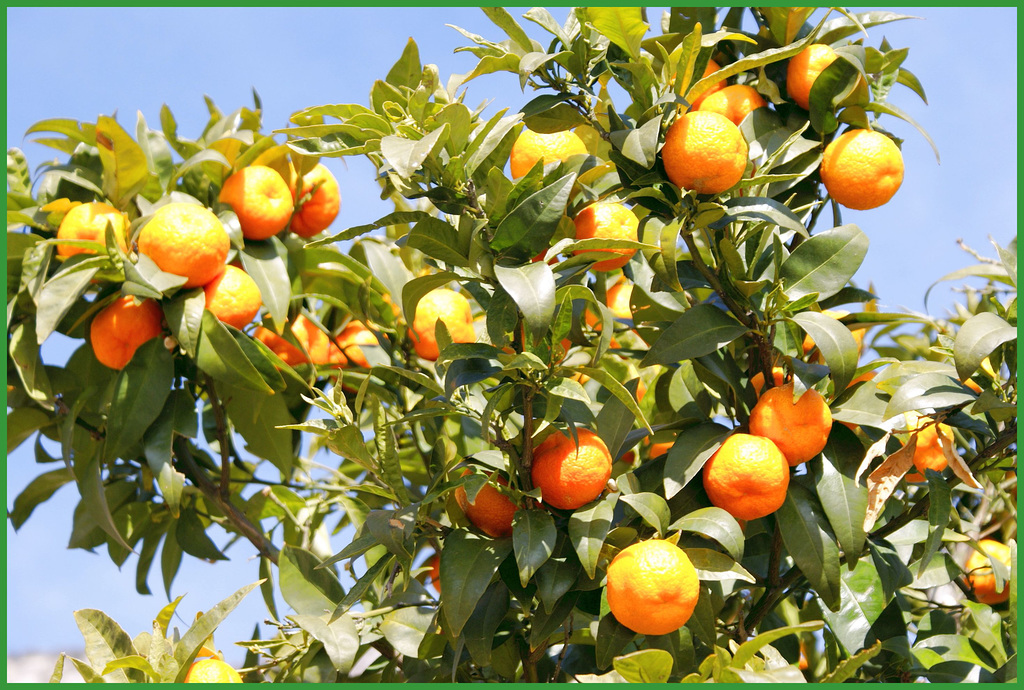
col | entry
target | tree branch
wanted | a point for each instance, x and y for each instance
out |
(223, 440)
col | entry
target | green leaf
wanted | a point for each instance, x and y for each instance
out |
(889, 109)
(339, 637)
(931, 390)
(645, 666)
(652, 508)
(406, 156)
(363, 584)
(140, 391)
(849, 666)
(438, 240)
(414, 290)
(407, 70)
(38, 491)
(104, 642)
(24, 351)
(265, 263)
(639, 145)
(533, 541)
(588, 526)
(490, 142)
(701, 330)
(844, 502)
(748, 649)
(977, 339)
(784, 674)
(955, 648)
(686, 457)
(87, 469)
(406, 627)
(545, 624)
(190, 534)
(258, 419)
(134, 662)
(219, 355)
(713, 565)
(184, 315)
(939, 508)
(862, 600)
(22, 422)
(621, 393)
(482, 626)
(308, 589)
(812, 547)
(834, 341)
(192, 641)
(532, 287)
(825, 262)
(60, 293)
(759, 209)
(387, 454)
(529, 226)
(468, 562)
(623, 26)
(124, 163)
(612, 638)
(713, 523)
(505, 21)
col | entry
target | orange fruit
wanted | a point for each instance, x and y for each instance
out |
(747, 476)
(800, 429)
(121, 327)
(491, 511)
(571, 475)
(629, 457)
(979, 572)
(260, 198)
(658, 449)
(710, 69)
(317, 347)
(531, 147)
(607, 220)
(862, 169)
(734, 102)
(321, 208)
(652, 587)
(233, 297)
(212, 671)
(806, 66)
(349, 341)
(928, 453)
(617, 298)
(704, 152)
(186, 240)
(451, 308)
(89, 222)
(778, 377)
(435, 571)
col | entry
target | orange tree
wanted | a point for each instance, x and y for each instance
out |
(510, 424)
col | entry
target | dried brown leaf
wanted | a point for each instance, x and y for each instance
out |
(876, 449)
(882, 482)
(956, 463)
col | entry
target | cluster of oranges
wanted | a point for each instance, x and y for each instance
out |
(190, 241)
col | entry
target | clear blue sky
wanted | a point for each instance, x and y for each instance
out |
(81, 63)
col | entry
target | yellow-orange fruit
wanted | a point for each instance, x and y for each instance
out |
(734, 102)
(979, 572)
(491, 511)
(570, 475)
(186, 240)
(233, 297)
(806, 66)
(260, 198)
(709, 69)
(800, 429)
(607, 221)
(121, 327)
(748, 476)
(928, 453)
(531, 147)
(652, 587)
(862, 169)
(89, 222)
(704, 152)
(317, 347)
(778, 378)
(318, 212)
(447, 306)
(212, 671)
(350, 340)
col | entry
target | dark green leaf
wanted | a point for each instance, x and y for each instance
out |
(938, 516)
(845, 503)
(588, 527)
(387, 454)
(265, 263)
(22, 422)
(481, 627)
(219, 355)
(811, 545)
(824, 263)
(652, 508)
(468, 562)
(716, 566)
(862, 600)
(306, 588)
(38, 490)
(363, 584)
(24, 350)
(438, 240)
(699, 331)
(532, 286)
(835, 342)
(405, 628)
(533, 540)
(257, 418)
(60, 293)
(184, 314)
(139, 394)
(714, 523)
(190, 533)
(529, 226)
(932, 390)
(687, 456)
(760, 209)
(612, 638)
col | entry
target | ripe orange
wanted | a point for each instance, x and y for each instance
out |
(233, 297)
(704, 152)
(799, 429)
(491, 512)
(532, 146)
(652, 587)
(121, 327)
(260, 198)
(186, 240)
(435, 571)
(89, 222)
(928, 453)
(451, 308)
(747, 476)
(349, 341)
(317, 347)
(734, 102)
(658, 449)
(321, 208)
(806, 66)
(778, 377)
(212, 671)
(862, 169)
(979, 572)
(617, 299)
(607, 220)
(710, 69)
(571, 475)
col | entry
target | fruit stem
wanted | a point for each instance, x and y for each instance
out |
(526, 459)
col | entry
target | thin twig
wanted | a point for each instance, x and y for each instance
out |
(223, 439)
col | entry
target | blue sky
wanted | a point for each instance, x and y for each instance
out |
(81, 63)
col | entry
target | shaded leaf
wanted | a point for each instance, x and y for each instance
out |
(811, 545)
(533, 540)
(824, 263)
(588, 526)
(140, 391)
(714, 523)
(532, 287)
(701, 330)
(468, 562)
(977, 339)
